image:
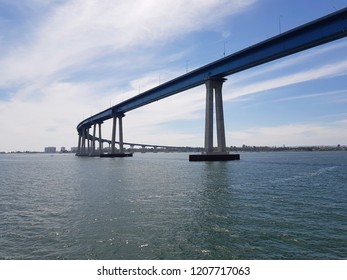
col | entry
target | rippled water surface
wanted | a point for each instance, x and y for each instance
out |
(161, 206)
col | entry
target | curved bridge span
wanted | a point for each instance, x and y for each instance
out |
(312, 34)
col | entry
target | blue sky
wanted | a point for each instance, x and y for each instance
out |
(64, 60)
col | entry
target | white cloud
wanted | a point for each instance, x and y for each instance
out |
(77, 32)
(50, 119)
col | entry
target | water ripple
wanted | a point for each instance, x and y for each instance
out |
(266, 206)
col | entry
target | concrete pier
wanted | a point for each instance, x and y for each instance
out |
(120, 118)
(113, 148)
(120, 141)
(92, 152)
(100, 140)
(214, 89)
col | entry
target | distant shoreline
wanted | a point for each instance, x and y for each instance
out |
(244, 148)
(288, 149)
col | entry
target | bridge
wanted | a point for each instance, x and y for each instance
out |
(309, 35)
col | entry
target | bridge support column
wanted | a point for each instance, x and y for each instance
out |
(220, 119)
(120, 120)
(114, 129)
(113, 147)
(92, 152)
(214, 89)
(83, 142)
(209, 118)
(112, 152)
(100, 140)
(214, 86)
(79, 144)
(83, 148)
(88, 141)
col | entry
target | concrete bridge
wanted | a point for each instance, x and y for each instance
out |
(312, 34)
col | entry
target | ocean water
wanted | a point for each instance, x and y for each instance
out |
(275, 205)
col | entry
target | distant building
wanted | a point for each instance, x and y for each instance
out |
(50, 150)
(74, 149)
(63, 150)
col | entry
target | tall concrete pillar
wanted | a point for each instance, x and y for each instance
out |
(83, 141)
(220, 117)
(100, 140)
(209, 117)
(79, 143)
(93, 141)
(214, 87)
(121, 150)
(113, 148)
(88, 141)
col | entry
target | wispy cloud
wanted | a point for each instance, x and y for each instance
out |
(77, 33)
(321, 72)
(314, 95)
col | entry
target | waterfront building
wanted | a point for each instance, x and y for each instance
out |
(50, 149)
